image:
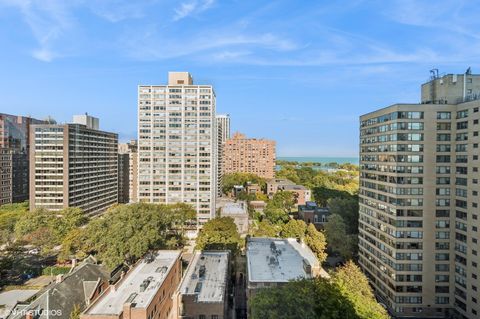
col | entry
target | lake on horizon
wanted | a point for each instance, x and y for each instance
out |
(339, 160)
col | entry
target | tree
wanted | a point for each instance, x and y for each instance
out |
(219, 234)
(294, 229)
(279, 207)
(316, 241)
(353, 284)
(230, 180)
(294, 300)
(337, 238)
(47, 229)
(127, 232)
(284, 200)
(340, 298)
(322, 194)
(275, 215)
(348, 209)
(265, 229)
(10, 214)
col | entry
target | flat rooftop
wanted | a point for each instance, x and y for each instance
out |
(278, 260)
(206, 276)
(238, 208)
(129, 290)
(294, 187)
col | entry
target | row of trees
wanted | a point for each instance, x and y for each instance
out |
(346, 295)
(10, 214)
(127, 232)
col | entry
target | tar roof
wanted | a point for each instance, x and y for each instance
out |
(206, 276)
(131, 290)
(278, 260)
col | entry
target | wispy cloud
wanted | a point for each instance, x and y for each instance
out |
(48, 20)
(192, 7)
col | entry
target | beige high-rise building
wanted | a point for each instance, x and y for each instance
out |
(223, 122)
(131, 148)
(249, 155)
(73, 165)
(223, 134)
(177, 144)
(419, 164)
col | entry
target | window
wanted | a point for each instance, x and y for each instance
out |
(462, 114)
(444, 115)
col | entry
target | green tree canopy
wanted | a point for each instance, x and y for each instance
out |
(230, 180)
(353, 284)
(346, 296)
(337, 238)
(265, 228)
(219, 234)
(294, 229)
(316, 241)
(127, 232)
(47, 229)
(10, 214)
(346, 207)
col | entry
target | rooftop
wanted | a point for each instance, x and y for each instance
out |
(282, 181)
(139, 286)
(278, 260)
(206, 276)
(293, 187)
(233, 208)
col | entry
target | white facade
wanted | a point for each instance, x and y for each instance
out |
(223, 121)
(177, 146)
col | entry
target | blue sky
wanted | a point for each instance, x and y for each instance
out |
(299, 72)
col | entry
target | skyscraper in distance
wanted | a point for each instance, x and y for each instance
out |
(223, 134)
(177, 144)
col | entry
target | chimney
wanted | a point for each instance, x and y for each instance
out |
(127, 308)
(58, 279)
(74, 263)
(29, 315)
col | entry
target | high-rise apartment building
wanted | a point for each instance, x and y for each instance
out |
(123, 178)
(249, 155)
(177, 144)
(223, 122)
(419, 187)
(14, 148)
(73, 165)
(131, 148)
(5, 176)
(223, 134)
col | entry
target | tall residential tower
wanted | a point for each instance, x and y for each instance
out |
(73, 165)
(223, 134)
(177, 144)
(419, 187)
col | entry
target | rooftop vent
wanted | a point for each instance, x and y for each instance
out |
(131, 297)
(201, 271)
(145, 283)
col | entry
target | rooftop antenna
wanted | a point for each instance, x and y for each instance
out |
(434, 74)
(469, 71)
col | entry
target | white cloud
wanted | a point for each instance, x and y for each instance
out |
(192, 7)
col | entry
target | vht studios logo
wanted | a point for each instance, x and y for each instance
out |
(38, 313)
